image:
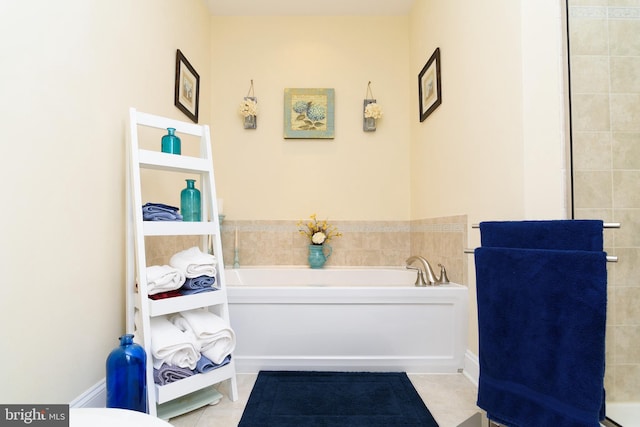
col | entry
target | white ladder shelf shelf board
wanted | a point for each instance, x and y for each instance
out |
(195, 391)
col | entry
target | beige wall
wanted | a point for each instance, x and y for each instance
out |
(358, 175)
(494, 149)
(71, 69)
(605, 87)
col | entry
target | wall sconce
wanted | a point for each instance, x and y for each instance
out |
(372, 111)
(249, 109)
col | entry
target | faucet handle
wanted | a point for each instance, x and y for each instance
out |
(443, 279)
(419, 278)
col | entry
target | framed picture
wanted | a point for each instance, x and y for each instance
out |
(187, 91)
(429, 88)
(309, 113)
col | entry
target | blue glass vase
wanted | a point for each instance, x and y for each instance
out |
(126, 376)
(170, 142)
(190, 202)
(317, 256)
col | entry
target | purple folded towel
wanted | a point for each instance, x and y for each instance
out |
(205, 364)
(167, 374)
(200, 282)
(160, 212)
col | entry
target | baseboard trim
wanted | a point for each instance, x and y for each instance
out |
(95, 397)
(471, 367)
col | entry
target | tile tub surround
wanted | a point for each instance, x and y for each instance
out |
(363, 243)
(605, 88)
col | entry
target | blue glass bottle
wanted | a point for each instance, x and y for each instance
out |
(126, 376)
(170, 142)
(190, 202)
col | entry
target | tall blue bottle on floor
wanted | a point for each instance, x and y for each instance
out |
(126, 376)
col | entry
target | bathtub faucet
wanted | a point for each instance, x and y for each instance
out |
(426, 276)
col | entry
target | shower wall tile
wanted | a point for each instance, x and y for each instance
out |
(590, 112)
(623, 35)
(626, 272)
(624, 2)
(592, 189)
(626, 150)
(625, 112)
(627, 348)
(625, 74)
(592, 150)
(590, 74)
(627, 306)
(629, 235)
(611, 191)
(626, 189)
(588, 31)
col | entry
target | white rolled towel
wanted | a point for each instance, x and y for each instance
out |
(214, 337)
(194, 263)
(164, 278)
(171, 345)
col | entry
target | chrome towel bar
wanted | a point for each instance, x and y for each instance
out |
(605, 225)
(609, 258)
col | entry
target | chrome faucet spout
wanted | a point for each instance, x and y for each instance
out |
(429, 275)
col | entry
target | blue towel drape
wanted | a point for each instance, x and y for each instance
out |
(541, 319)
(581, 235)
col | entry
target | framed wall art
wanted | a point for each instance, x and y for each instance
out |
(429, 88)
(187, 88)
(309, 113)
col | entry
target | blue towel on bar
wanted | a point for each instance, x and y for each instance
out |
(541, 321)
(581, 235)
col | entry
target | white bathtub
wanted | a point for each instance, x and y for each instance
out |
(343, 318)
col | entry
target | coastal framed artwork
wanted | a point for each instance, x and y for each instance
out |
(309, 113)
(187, 87)
(429, 88)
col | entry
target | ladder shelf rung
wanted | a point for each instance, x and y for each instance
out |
(178, 228)
(170, 391)
(186, 302)
(172, 162)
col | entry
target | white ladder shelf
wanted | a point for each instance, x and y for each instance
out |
(184, 395)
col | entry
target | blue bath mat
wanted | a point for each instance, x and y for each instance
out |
(335, 399)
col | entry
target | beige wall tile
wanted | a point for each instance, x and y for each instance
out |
(627, 348)
(589, 74)
(626, 189)
(626, 272)
(592, 189)
(623, 37)
(625, 112)
(591, 150)
(626, 150)
(629, 235)
(588, 36)
(625, 74)
(627, 383)
(590, 112)
(627, 306)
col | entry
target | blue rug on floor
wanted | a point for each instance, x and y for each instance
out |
(328, 399)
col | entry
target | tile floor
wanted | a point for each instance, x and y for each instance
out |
(450, 398)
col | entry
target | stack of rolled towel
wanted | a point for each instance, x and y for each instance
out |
(188, 343)
(160, 212)
(189, 272)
